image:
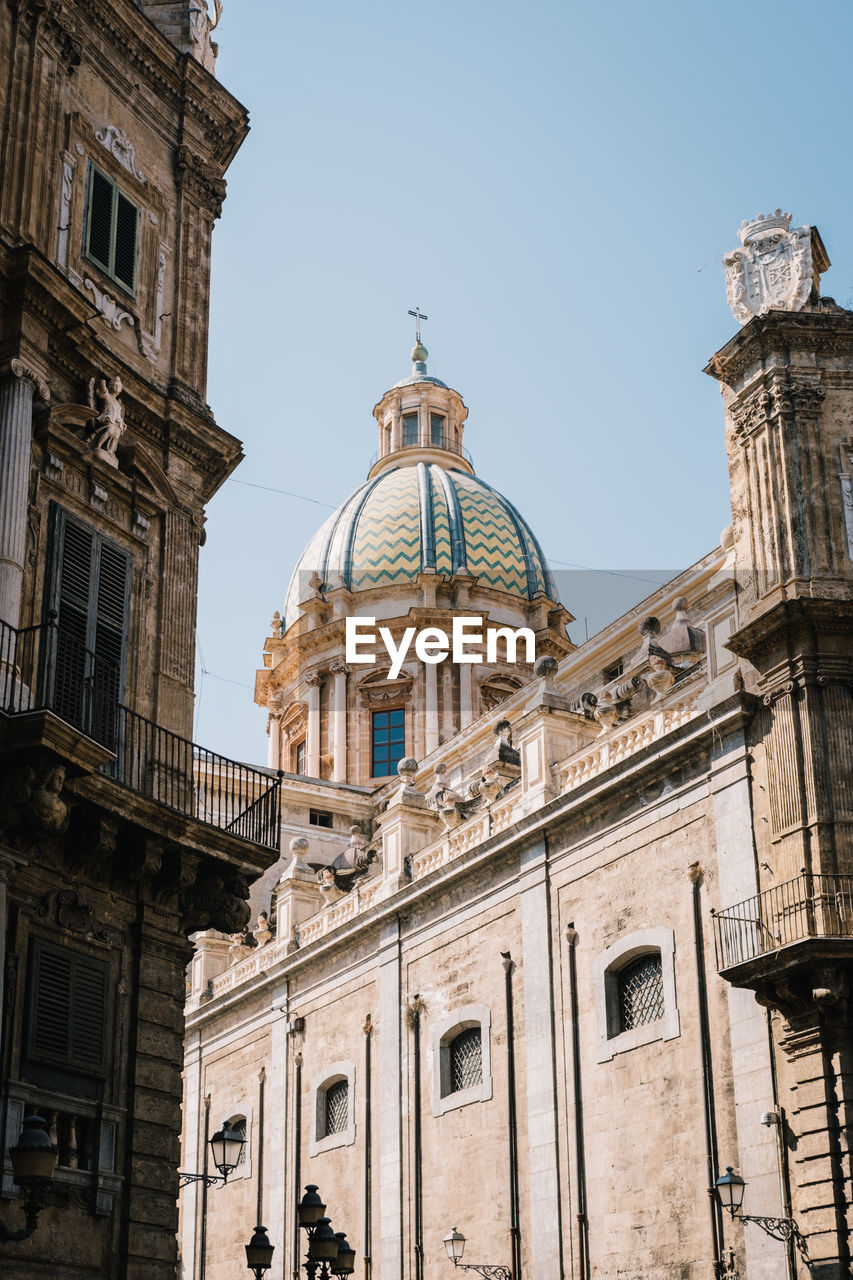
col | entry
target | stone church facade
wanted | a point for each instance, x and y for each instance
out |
(114, 144)
(552, 945)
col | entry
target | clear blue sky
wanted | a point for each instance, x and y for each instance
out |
(555, 185)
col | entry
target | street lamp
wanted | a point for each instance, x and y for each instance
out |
(329, 1252)
(259, 1252)
(454, 1243)
(226, 1146)
(730, 1189)
(33, 1163)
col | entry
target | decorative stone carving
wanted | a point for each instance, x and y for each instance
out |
(150, 343)
(66, 192)
(262, 932)
(846, 481)
(660, 678)
(605, 711)
(202, 48)
(496, 689)
(773, 271)
(275, 626)
(27, 373)
(47, 810)
(109, 424)
(507, 753)
(120, 146)
(111, 313)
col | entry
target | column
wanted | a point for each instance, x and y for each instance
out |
(431, 740)
(274, 743)
(339, 722)
(312, 761)
(466, 695)
(16, 431)
(539, 1050)
(390, 1198)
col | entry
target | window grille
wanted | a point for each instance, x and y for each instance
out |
(388, 746)
(641, 992)
(466, 1059)
(337, 1107)
(112, 230)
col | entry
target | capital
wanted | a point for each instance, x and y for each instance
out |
(21, 369)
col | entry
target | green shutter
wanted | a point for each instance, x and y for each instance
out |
(68, 1009)
(112, 230)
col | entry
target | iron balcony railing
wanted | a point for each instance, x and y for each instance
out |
(809, 906)
(45, 668)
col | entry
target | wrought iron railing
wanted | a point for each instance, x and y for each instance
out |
(809, 906)
(45, 668)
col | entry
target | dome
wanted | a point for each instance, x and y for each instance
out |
(422, 517)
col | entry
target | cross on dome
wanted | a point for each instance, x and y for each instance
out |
(419, 316)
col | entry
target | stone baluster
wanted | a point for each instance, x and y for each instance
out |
(16, 417)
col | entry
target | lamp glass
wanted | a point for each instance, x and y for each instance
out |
(33, 1157)
(311, 1207)
(226, 1146)
(454, 1243)
(344, 1264)
(259, 1251)
(730, 1189)
(324, 1244)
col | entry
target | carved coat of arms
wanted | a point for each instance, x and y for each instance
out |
(773, 271)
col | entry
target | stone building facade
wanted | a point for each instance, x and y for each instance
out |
(115, 140)
(511, 987)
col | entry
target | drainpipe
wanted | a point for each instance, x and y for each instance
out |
(368, 1247)
(718, 1242)
(259, 1216)
(202, 1244)
(580, 1157)
(297, 1164)
(512, 1136)
(414, 1019)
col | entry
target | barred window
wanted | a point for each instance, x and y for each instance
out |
(466, 1059)
(641, 992)
(336, 1107)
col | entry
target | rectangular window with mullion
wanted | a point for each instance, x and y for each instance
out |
(388, 741)
(89, 590)
(112, 230)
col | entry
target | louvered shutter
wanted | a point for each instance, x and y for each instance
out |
(68, 1009)
(100, 226)
(125, 242)
(91, 591)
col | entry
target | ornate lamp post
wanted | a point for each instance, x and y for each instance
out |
(226, 1147)
(730, 1189)
(329, 1253)
(33, 1163)
(454, 1243)
(259, 1253)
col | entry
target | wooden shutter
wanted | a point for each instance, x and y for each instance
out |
(127, 217)
(100, 219)
(68, 1009)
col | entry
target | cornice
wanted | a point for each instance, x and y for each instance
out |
(775, 336)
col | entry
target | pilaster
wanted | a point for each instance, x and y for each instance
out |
(17, 390)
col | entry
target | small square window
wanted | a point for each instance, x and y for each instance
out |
(388, 741)
(319, 818)
(112, 230)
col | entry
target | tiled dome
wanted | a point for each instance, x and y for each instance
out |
(408, 519)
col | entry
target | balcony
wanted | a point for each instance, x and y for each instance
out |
(807, 907)
(44, 668)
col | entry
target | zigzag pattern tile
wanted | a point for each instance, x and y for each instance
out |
(492, 547)
(387, 546)
(310, 560)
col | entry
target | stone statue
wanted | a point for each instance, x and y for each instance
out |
(262, 931)
(202, 48)
(109, 424)
(47, 809)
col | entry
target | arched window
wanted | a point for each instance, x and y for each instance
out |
(461, 1059)
(640, 986)
(336, 1107)
(242, 1122)
(332, 1108)
(634, 983)
(466, 1059)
